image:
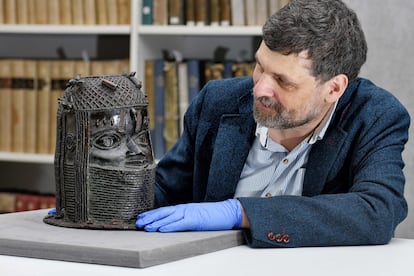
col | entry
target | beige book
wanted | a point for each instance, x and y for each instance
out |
(2, 20)
(77, 12)
(18, 106)
(41, 12)
(53, 12)
(112, 11)
(90, 15)
(7, 202)
(124, 12)
(183, 100)
(44, 70)
(262, 11)
(65, 12)
(31, 6)
(5, 105)
(238, 17)
(250, 12)
(101, 13)
(160, 15)
(30, 104)
(171, 113)
(10, 12)
(22, 8)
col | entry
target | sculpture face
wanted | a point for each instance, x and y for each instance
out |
(104, 164)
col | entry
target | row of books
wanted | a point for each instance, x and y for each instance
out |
(76, 12)
(209, 12)
(19, 202)
(29, 92)
(171, 86)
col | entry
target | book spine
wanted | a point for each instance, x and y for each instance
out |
(89, 14)
(147, 12)
(201, 8)
(6, 84)
(65, 12)
(160, 12)
(112, 10)
(159, 95)
(30, 104)
(124, 13)
(237, 12)
(175, 12)
(18, 106)
(171, 117)
(189, 12)
(225, 12)
(43, 114)
(53, 12)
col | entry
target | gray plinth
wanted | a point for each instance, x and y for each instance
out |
(26, 235)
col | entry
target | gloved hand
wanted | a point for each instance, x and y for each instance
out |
(224, 215)
(52, 211)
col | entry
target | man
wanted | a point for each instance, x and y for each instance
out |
(305, 153)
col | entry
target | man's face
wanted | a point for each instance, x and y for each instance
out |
(286, 94)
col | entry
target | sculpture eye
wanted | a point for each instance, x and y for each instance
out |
(107, 141)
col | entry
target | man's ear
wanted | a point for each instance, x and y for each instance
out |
(336, 86)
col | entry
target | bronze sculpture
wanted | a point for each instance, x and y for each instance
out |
(104, 165)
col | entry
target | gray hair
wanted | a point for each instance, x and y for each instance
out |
(327, 29)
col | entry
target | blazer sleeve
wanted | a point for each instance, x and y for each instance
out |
(364, 202)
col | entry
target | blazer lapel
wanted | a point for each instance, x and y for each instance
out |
(231, 148)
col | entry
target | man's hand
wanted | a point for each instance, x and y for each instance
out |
(224, 215)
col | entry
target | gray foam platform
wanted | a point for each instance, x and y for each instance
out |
(26, 235)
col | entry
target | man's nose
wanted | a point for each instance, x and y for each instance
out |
(263, 87)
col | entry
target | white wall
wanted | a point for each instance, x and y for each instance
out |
(388, 26)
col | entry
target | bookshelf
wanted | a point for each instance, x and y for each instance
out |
(145, 42)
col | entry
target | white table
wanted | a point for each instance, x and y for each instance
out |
(396, 258)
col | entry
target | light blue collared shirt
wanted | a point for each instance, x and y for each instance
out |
(271, 170)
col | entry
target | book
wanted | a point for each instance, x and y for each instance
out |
(183, 93)
(2, 20)
(124, 12)
(101, 12)
(214, 9)
(175, 12)
(189, 12)
(250, 12)
(89, 14)
(7, 202)
(237, 12)
(262, 11)
(147, 12)
(201, 15)
(41, 12)
(112, 10)
(225, 13)
(77, 12)
(18, 106)
(5, 105)
(171, 113)
(43, 113)
(194, 81)
(157, 135)
(160, 12)
(30, 105)
(65, 11)
(10, 14)
(22, 9)
(53, 12)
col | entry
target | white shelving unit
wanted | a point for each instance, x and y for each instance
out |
(146, 42)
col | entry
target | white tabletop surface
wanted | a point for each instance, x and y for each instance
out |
(396, 258)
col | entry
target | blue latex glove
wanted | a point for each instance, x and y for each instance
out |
(224, 215)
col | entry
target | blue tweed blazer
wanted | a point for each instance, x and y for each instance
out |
(353, 186)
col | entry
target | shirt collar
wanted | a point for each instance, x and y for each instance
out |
(318, 133)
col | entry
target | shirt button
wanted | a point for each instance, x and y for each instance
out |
(268, 195)
(285, 161)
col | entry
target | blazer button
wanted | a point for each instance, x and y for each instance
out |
(271, 236)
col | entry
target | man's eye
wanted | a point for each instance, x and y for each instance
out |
(107, 141)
